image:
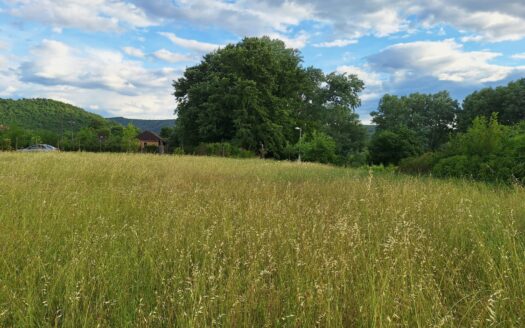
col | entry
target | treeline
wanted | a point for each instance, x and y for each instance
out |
(256, 96)
(483, 139)
(26, 122)
(107, 138)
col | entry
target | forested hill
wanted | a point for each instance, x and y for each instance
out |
(47, 114)
(143, 125)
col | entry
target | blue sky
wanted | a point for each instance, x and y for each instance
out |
(119, 57)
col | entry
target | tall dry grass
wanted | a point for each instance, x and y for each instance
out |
(130, 240)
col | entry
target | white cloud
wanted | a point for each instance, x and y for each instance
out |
(134, 52)
(297, 42)
(56, 63)
(243, 17)
(519, 56)
(93, 78)
(336, 43)
(92, 15)
(471, 38)
(493, 21)
(171, 57)
(443, 60)
(373, 80)
(194, 45)
(490, 20)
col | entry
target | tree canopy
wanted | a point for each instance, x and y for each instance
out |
(507, 101)
(255, 93)
(431, 116)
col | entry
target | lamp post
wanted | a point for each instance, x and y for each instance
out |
(300, 138)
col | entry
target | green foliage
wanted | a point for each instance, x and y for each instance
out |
(47, 114)
(488, 151)
(390, 147)
(507, 101)
(222, 149)
(461, 166)
(319, 147)
(178, 151)
(31, 121)
(255, 93)
(5, 144)
(356, 159)
(418, 165)
(430, 116)
(129, 138)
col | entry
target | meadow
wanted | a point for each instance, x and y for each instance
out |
(117, 240)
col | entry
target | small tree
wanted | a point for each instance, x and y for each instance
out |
(318, 148)
(130, 143)
(389, 147)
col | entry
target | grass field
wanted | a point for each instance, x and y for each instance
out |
(104, 240)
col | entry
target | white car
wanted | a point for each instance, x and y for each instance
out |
(39, 148)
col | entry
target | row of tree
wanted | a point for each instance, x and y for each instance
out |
(114, 138)
(256, 96)
(418, 123)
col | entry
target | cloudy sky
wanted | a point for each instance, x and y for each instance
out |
(118, 57)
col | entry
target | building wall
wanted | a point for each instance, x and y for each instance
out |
(144, 144)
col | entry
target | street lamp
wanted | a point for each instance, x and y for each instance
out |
(300, 138)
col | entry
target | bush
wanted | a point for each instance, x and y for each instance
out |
(418, 165)
(319, 148)
(390, 147)
(356, 159)
(5, 144)
(178, 151)
(460, 166)
(222, 149)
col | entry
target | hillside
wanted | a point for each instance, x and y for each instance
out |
(143, 125)
(47, 114)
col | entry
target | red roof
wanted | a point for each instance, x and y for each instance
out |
(149, 136)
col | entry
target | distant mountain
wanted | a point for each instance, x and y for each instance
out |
(144, 125)
(47, 114)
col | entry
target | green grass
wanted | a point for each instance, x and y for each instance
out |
(130, 240)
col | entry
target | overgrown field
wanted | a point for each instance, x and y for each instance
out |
(133, 240)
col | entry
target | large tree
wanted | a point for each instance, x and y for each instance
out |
(255, 93)
(507, 101)
(430, 116)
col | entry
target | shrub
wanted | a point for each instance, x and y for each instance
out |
(178, 151)
(222, 149)
(5, 144)
(461, 166)
(356, 159)
(418, 165)
(390, 147)
(319, 148)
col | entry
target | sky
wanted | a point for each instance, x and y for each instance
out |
(119, 57)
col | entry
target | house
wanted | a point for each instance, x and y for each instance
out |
(149, 140)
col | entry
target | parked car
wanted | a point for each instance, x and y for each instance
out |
(39, 148)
